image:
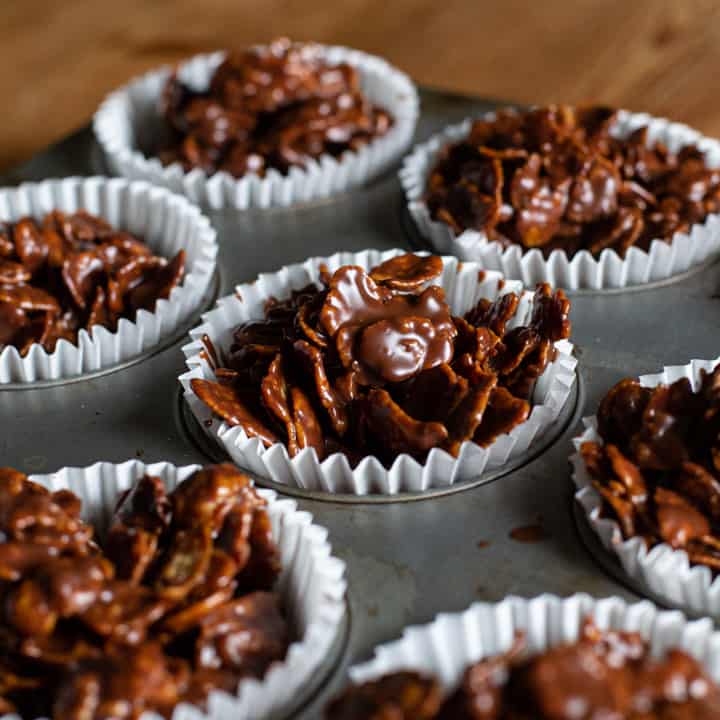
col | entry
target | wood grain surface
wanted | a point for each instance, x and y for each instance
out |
(58, 58)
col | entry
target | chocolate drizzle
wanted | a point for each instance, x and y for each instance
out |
(380, 333)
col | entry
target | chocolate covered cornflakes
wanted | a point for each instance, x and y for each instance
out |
(375, 363)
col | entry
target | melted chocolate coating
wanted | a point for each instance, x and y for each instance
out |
(383, 333)
(72, 272)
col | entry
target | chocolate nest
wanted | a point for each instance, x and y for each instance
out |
(71, 272)
(276, 106)
(375, 364)
(605, 674)
(557, 178)
(658, 466)
(176, 600)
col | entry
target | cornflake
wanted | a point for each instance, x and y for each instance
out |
(72, 272)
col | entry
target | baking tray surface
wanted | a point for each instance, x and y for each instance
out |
(407, 561)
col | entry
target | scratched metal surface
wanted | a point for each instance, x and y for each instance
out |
(407, 561)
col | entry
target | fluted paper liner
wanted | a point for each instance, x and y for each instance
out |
(665, 572)
(464, 285)
(451, 643)
(582, 270)
(165, 221)
(312, 586)
(129, 120)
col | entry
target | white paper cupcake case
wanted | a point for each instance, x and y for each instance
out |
(452, 642)
(167, 222)
(665, 572)
(583, 271)
(128, 119)
(311, 583)
(463, 289)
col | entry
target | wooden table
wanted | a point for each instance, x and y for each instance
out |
(60, 57)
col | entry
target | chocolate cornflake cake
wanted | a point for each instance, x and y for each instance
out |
(176, 600)
(70, 272)
(657, 469)
(374, 363)
(606, 674)
(558, 178)
(274, 106)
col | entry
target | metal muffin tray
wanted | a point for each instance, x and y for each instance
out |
(512, 532)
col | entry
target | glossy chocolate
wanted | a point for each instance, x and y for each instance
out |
(659, 467)
(385, 334)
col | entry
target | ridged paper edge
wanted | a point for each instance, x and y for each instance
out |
(453, 641)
